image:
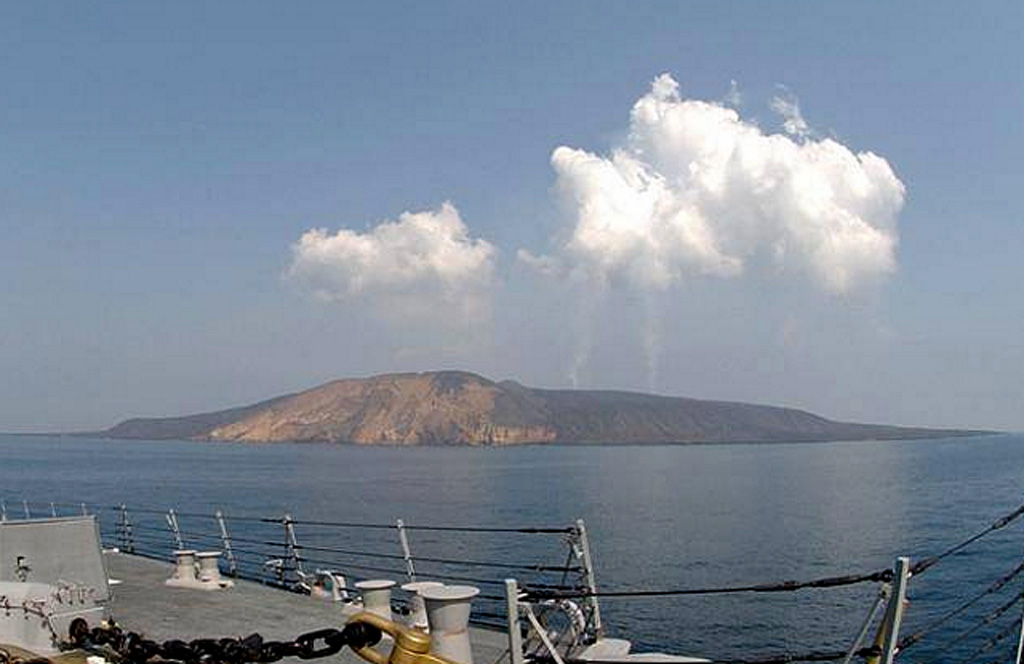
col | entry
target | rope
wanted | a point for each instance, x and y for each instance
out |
(923, 565)
(881, 576)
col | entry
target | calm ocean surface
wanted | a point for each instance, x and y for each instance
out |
(658, 517)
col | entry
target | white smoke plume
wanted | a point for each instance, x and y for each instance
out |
(423, 265)
(733, 97)
(793, 122)
(697, 190)
(548, 266)
(652, 340)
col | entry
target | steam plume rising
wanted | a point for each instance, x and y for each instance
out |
(695, 190)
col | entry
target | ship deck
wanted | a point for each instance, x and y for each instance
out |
(142, 603)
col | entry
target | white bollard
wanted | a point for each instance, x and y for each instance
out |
(448, 609)
(209, 567)
(377, 596)
(184, 565)
(418, 611)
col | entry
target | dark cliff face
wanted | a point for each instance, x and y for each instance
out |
(453, 407)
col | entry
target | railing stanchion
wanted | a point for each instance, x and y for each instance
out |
(894, 612)
(127, 541)
(225, 539)
(588, 570)
(1020, 640)
(292, 547)
(515, 634)
(172, 525)
(403, 538)
(883, 594)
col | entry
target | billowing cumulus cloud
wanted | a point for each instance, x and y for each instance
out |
(697, 191)
(425, 264)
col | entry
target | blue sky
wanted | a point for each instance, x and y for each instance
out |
(159, 162)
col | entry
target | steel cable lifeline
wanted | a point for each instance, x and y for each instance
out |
(538, 592)
(923, 565)
(920, 567)
(449, 529)
(349, 552)
(370, 568)
(350, 524)
(781, 658)
(813, 656)
(446, 577)
(881, 576)
(244, 540)
(985, 620)
(145, 533)
(495, 565)
(142, 542)
(483, 529)
(992, 643)
(442, 561)
(998, 585)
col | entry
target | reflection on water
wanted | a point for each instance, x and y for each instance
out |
(659, 517)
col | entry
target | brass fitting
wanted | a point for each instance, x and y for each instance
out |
(411, 645)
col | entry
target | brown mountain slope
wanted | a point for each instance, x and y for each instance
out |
(446, 407)
(450, 407)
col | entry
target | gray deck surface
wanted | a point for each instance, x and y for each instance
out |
(142, 603)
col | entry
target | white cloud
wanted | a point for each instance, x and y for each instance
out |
(423, 265)
(697, 190)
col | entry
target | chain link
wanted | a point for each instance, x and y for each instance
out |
(122, 647)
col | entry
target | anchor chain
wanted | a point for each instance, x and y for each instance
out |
(7, 657)
(123, 647)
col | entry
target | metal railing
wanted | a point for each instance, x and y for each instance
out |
(286, 552)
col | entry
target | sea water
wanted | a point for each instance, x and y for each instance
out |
(658, 517)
